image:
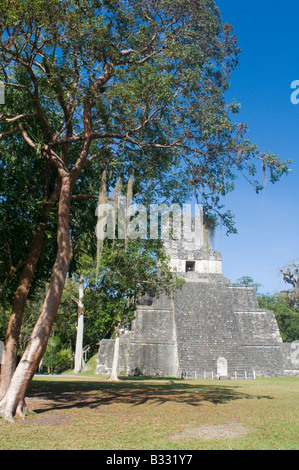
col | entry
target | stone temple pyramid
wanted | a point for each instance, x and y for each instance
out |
(209, 328)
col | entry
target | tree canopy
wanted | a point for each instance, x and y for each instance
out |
(155, 73)
(107, 86)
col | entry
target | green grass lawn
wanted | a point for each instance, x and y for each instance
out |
(78, 413)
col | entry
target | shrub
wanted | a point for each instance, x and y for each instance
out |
(56, 358)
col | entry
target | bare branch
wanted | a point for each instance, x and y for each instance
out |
(126, 52)
(17, 85)
(20, 116)
(26, 136)
(132, 131)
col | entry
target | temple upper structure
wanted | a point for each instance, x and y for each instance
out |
(191, 254)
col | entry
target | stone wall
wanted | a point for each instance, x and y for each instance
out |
(290, 357)
(221, 320)
(153, 347)
(210, 326)
(106, 352)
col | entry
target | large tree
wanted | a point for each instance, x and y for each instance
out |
(25, 213)
(128, 84)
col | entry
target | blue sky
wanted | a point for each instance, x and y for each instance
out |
(268, 223)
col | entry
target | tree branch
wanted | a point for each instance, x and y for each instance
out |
(88, 134)
(35, 97)
(26, 136)
(56, 160)
(12, 131)
(78, 197)
(8, 117)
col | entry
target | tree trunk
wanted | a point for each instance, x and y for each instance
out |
(113, 377)
(79, 361)
(14, 399)
(9, 357)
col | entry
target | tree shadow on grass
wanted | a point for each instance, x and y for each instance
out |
(55, 395)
